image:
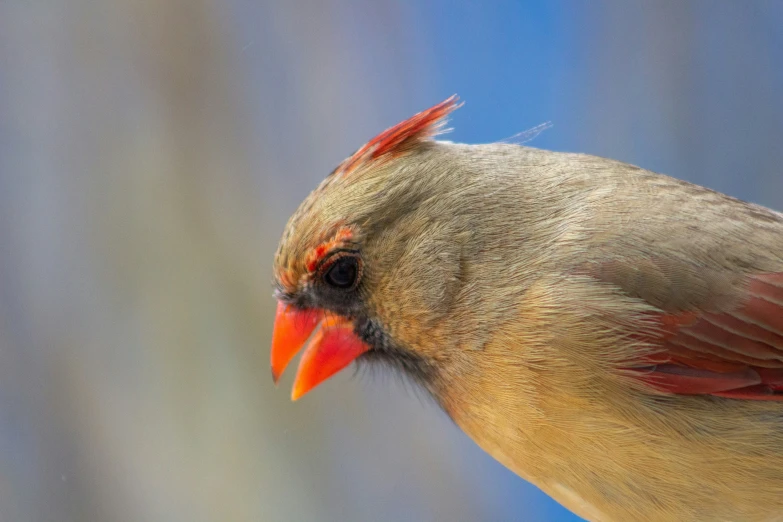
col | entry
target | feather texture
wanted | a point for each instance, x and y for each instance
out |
(402, 137)
(736, 354)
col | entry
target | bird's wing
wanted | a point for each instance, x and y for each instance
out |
(718, 334)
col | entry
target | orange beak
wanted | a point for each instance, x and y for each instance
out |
(333, 347)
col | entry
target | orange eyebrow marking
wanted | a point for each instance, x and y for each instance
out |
(396, 140)
(314, 256)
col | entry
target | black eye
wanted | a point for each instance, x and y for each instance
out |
(343, 272)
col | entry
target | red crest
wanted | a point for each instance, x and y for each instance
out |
(398, 139)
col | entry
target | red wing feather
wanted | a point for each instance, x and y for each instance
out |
(736, 354)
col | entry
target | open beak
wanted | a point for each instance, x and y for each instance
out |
(333, 347)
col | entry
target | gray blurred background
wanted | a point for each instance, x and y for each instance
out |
(150, 154)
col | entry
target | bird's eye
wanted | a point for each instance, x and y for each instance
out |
(343, 273)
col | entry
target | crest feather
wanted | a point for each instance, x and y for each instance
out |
(398, 139)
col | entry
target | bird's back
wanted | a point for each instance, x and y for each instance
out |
(595, 252)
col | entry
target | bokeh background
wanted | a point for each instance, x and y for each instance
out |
(150, 154)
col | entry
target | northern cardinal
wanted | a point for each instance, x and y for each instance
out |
(612, 335)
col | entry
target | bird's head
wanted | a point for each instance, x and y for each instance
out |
(371, 258)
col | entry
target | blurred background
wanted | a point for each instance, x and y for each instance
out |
(150, 154)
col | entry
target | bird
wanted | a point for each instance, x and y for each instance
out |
(612, 335)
